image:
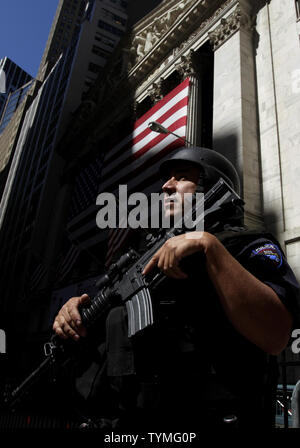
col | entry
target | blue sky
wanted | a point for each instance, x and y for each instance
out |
(24, 30)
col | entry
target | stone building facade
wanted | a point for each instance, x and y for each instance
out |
(247, 53)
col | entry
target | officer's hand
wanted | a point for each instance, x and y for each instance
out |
(67, 323)
(167, 258)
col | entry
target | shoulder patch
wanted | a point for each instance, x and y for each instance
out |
(268, 252)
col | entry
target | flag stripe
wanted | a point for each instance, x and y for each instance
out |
(135, 177)
(139, 165)
(170, 99)
(153, 114)
(135, 138)
(134, 159)
(149, 136)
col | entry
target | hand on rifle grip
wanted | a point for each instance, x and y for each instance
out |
(68, 322)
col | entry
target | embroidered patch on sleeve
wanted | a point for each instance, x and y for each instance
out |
(269, 252)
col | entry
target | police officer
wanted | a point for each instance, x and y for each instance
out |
(210, 357)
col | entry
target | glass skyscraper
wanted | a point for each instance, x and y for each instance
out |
(13, 79)
(14, 99)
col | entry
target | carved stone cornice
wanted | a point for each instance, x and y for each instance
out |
(165, 32)
(117, 84)
(147, 37)
(188, 65)
(228, 26)
(156, 90)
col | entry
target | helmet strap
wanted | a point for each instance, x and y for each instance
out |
(200, 188)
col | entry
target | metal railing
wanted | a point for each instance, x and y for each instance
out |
(288, 396)
(283, 407)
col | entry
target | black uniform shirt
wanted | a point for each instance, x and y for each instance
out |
(193, 357)
(238, 365)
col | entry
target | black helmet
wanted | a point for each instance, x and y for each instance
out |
(214, 164)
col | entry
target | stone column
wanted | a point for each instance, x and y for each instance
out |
(189, 66)
(268, 127)
(278, 81)
(235, 119)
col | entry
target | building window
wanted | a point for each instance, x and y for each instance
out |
(94, 68)
(297, 4)
(122, 3)
(105, 40)
(90, 79)
(100, 52)
(112, 29)
(113, 17)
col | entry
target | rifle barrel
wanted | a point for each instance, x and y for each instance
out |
(19, 391)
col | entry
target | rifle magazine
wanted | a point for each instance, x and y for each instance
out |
(140, 312)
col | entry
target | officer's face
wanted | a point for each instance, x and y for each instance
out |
(183, 178)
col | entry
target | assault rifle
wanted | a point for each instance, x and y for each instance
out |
(125, 284)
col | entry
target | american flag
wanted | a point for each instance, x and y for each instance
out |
(135, 160)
